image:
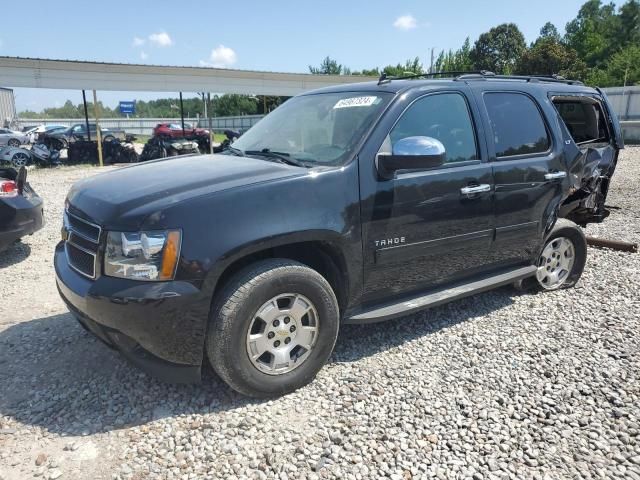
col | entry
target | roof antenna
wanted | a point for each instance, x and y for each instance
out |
(383, 78)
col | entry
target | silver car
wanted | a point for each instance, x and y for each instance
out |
(12, 138)
(15, 156)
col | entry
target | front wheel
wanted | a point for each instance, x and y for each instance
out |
(20, 159)
(272, 328)
(13, 142)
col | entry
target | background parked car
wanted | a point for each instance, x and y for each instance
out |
(175, 130)
(20, 207)
(12, 137)
(34, 132)
(15, 156)
(60, 139)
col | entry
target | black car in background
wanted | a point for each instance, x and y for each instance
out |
(356, 203)
(21, 209)
(60, 139)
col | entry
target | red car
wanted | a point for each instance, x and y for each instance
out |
(175, 130)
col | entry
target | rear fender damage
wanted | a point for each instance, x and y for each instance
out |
(590, 171)
(590, 168)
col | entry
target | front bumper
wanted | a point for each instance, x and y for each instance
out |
(158, 326)
(19, 216)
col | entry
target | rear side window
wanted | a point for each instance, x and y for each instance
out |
(518, 127)
(584, 119)
(445, 117)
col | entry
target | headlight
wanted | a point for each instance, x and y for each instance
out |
(142, 255)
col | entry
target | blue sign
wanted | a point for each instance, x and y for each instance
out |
(128, 108)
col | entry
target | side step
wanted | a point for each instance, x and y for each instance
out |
(439, 297)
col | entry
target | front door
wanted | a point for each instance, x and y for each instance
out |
(430, 227)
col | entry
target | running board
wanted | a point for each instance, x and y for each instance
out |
(439, 297)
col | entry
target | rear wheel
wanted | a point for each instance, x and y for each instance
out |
(272, 328)
(562, 260)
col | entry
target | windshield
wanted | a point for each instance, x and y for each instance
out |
(320, 129)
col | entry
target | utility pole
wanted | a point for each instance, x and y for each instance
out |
(431, 67)
(95, 108)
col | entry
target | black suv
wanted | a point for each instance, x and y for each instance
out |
(356, 203)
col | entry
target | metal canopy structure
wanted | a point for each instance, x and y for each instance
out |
(79, 75)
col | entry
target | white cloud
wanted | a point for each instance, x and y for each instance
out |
(160, 39)
(143, 55)
(138, 42)
(221, 57)
(405, 22)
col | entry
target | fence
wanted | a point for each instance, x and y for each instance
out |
(626, 103)
(144, 126)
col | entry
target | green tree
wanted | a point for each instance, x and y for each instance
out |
(329, 66)
(549, 30)
(548, 56)
(455, 60)
(592, 32)
(624, 68)
(499, 49)
(409, 67)
(628, 32)
(233, 104)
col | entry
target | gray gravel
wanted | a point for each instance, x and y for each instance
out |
(501, 385)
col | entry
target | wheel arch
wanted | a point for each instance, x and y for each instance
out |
(320, 251)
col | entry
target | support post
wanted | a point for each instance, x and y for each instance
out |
(95, 108)
(182, 114)
(86, 115)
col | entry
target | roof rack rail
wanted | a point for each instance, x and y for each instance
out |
(481, 74)
(386, 79)
(527, 78)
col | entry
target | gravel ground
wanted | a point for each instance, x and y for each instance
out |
(501, 385)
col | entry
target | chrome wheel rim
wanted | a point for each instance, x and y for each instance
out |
(555, 263)
(20, 160)
(282, 334)
(13, 143)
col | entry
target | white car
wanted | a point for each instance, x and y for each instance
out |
(34, 132)
(15, 156)
(12, 138)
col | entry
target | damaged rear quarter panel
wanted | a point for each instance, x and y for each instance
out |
(590, 168)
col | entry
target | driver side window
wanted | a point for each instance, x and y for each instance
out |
(443, 116)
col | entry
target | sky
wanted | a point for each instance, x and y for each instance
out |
(285, 35)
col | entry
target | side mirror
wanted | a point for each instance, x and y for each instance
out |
(411, 153)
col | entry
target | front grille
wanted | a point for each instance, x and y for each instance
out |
(83, 228)
(82, 244)
(80, 260)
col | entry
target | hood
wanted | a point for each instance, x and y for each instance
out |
(125, 197)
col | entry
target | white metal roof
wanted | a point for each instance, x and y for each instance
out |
(78, 75)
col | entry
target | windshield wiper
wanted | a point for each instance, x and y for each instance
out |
(234, 151)
(282, 157)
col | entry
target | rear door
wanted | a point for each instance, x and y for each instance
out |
(428, 227)
(528, 169)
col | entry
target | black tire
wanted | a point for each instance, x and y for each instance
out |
(13, 142)
(233, 312)
(562, 229)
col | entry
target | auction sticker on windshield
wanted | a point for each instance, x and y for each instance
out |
(355, 102)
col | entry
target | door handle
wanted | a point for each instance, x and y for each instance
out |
(473, 189)
(555, 175)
